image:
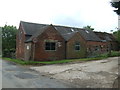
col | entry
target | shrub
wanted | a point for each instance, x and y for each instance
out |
(115, 53)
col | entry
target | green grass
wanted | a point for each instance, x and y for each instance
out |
(18, 61)
(0, 56)
(102, 56)
(49, 62)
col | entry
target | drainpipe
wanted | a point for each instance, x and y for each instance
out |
(33, 51)
(109, 48)
(65, 49)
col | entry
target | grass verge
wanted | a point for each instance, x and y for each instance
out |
(102, 56)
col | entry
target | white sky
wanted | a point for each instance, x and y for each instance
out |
(76, 13)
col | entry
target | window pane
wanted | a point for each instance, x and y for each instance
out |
(47, 46)
(77, 48)
(52, 46)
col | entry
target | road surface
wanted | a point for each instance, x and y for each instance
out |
(16, 76)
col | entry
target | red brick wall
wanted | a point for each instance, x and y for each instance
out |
(71, 52)
(17, 47)
(114, 46)
(20, 38)
(91, 47)
(41, 54)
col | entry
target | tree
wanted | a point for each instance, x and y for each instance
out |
(88, 27)
(8, 40)
(117, 6)
(117, 36)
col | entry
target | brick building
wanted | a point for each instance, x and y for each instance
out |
(38, 42)
(109, 39)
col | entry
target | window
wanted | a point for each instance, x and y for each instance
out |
(77, 46)
(27, 47)
(96, 48)
(50, 46)
(87, 31)
(72, 30)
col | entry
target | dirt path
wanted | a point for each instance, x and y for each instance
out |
(91, 74)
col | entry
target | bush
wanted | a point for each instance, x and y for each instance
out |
(114, 53)
(8, 41)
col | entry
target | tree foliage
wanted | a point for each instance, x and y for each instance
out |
(8, 40)
(117, 35)
(88, 27)
(117, 6)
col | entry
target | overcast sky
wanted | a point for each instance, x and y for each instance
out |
(75, 13)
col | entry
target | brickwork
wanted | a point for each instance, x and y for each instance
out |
(95, 48)
(64, 48)
(71, 52)
(20, 45)
(49, 35)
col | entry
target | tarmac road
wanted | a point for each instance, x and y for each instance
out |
(16, 76)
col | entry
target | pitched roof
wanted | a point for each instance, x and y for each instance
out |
(31, 28)
(35, 29)
(37, 33)
(68, 36)
(86, 34)
(105, 36)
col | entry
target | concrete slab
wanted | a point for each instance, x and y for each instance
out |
(93, 74)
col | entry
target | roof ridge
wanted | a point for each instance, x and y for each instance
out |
(54, 25)
(67, 26)
(101, 32)
(33, 23)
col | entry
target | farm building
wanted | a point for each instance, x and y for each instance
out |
(40, 42)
